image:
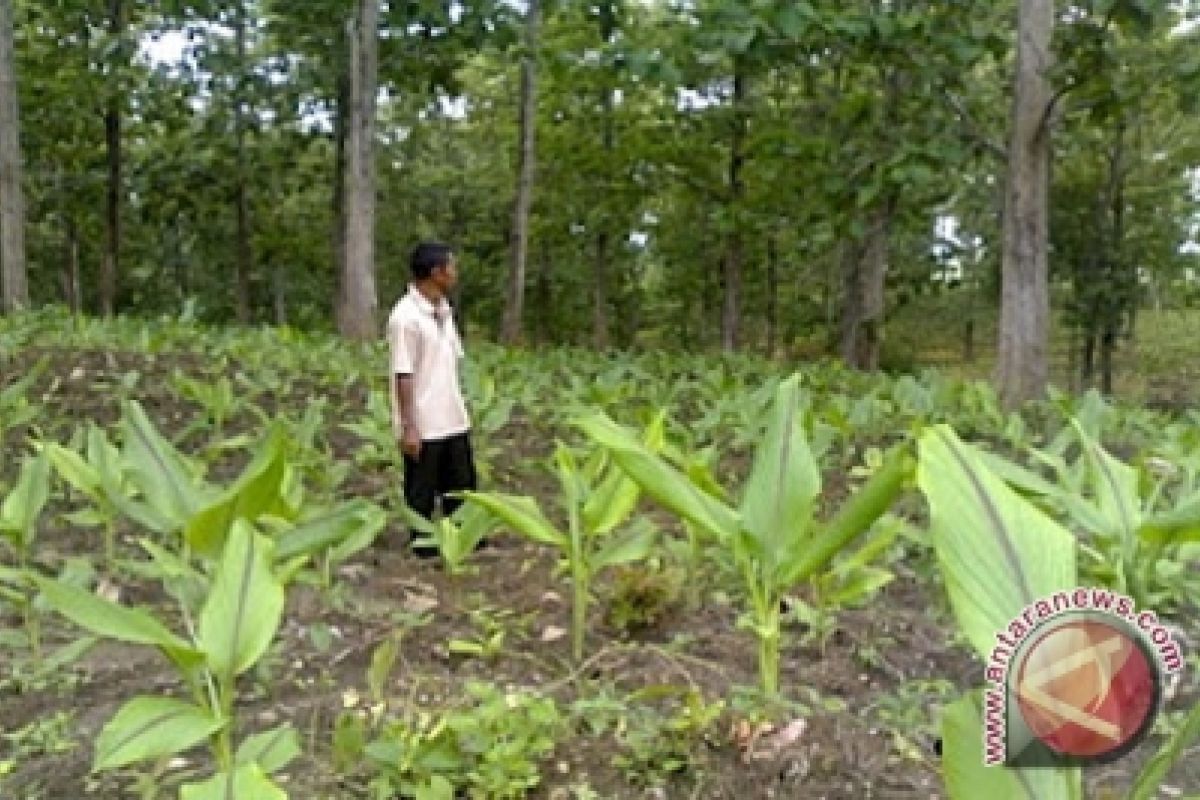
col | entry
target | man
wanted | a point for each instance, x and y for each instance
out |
(429, 417)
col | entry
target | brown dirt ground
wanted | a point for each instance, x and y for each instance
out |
(857, 752)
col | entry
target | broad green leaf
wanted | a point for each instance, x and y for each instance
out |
(271, 750)
(162, 474)
(659, 480)
(115, 621)
(414, 521)
(383, 660)
(1115, 486)
(998, 553)
(569, 476)
(610, 503)
(614, 500)
(73, 469)
(326, 528)
(247, 782)
(371, 520)
(144, 514)
(967, 777)
(152, 727)
(24, 503)
(438, 788)
(632, 546)
(859, 587)
(1020, 478)
(855, 517)
(520, 513)
(86, 518)
(1180, 524)
(257, 491)
(244, 605)
(784, 482)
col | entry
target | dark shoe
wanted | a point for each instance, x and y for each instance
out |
(425, 552)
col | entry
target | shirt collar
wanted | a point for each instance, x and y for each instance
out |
(422, 302)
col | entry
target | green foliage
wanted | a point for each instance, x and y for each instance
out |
(663, 733)
(19, 513)
(241, 615)
(456, 536)
(772, 537)
(976, 519)
(598, 499)
(490, 748)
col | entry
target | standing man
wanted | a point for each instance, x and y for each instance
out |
(429, 417)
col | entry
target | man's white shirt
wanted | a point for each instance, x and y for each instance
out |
(424, 343)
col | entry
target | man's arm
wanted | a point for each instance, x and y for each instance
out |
(410, 437)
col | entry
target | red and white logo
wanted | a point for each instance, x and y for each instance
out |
(1085, 687)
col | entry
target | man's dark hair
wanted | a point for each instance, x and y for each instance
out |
(427, 257)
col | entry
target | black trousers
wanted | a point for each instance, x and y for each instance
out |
(443, 465)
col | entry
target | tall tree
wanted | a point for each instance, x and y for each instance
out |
(359, 302)
(12, 198)
(244, 258)
(731, 263)
(110, 270)
(1021, 368)
(607, 13)
(514, 307)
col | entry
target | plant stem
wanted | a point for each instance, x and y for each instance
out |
(693, 567)
(768, 647)
(579, 585)
(225, 738)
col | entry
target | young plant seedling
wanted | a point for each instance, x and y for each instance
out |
(773, 535)
(598, 499)
(240, 617)
(19, 515)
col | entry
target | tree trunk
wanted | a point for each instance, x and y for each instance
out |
(244, 257)
(1108, 345)
(12, 196)
(514, 307)
(1121, 277)
(600, 293)
(1022, 370)
(358, 317)
(1087, 370)
(772, 294)
(543, 284)
(862, 299)
(110, 265)
(731, 272)
(338, 201)
(71, 293)
(279, 293)
(600, 336)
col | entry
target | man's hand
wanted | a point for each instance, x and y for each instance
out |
(410, 442)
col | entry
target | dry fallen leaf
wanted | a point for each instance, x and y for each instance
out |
(772, 746)
(418, 603)
(763, 741)
(553, 633)
(108, 591)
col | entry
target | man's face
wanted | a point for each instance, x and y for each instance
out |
(446, 276)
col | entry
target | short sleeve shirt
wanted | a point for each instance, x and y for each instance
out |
(423, 342)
